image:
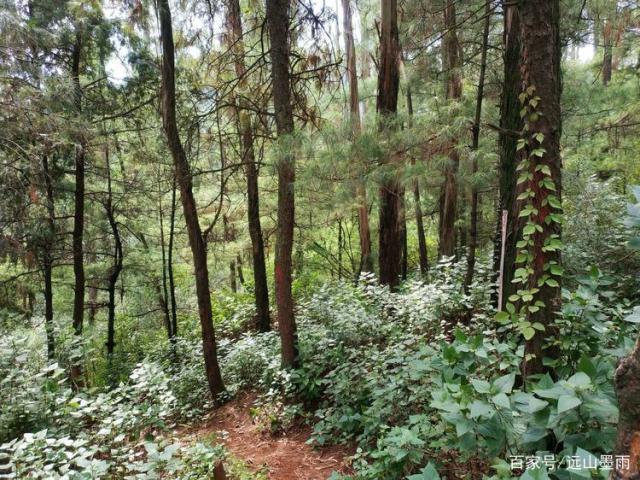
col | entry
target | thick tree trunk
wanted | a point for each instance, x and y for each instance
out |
(475, 143)
(540, 67)
(449, 193)
(183, 177)
(278, 12)
(78, 216)
(390, 235)
(263, 321)
(366, 259)
(627, 382)
(510, 127)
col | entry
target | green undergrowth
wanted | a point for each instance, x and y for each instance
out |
(405, 378)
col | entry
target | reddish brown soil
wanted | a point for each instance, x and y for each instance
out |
(282, 457)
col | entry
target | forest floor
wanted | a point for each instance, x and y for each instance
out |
(285, 456)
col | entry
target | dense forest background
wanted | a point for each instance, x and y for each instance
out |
(401, 232)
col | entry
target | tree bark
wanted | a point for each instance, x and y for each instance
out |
(449, 193)
(78, 216)
(263, 321)
(47, 259)
(510, 126)
(627, 383)
(165, 291)
(278, 12)
(540, 68)
(116, 268)
(607, 58)
(172, 286)
(366, 258)
(184, 180)
(475, 143)
(422, 239)
(390, 234)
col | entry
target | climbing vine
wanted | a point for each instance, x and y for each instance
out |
(541, 208)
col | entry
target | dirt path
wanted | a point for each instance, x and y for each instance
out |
(285, 457)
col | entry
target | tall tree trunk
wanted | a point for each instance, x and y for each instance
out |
(510, 128)
(239, 269)
(366, 259)
(116, 268)
(184, 180)
(475, 143)
(449, 193)
(422, 239)
(78, 216)
(172, 286)
(47, 260)
(540, 67)
(263, 321)
(165, 291)
(607, 58)
(390, 235)
(278, 12)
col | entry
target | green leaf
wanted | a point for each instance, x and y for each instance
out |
(427, 473)
(505, 383)
(568, 402)
(579, 379)
(481, 386)
(501, 400)
(480, 409)
(535, 404)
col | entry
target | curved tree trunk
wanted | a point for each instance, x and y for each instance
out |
(183, 177)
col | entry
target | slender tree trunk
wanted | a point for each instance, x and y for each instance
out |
(172, 286)
(263, 321)
(607, 58)
(422, 239)
(366, 258)
(510, 128)
(340, 244)
(78, 217)
(475, 143)
(47, 260)
(183, 177)
(239, 269)
(449, 193)
(165, 291)
(540, 67)
(404, 264)
(390, 234)
(116, 268)
(278, 12)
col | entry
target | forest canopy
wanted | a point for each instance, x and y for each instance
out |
(346, 239)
